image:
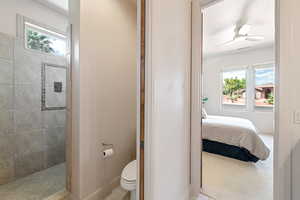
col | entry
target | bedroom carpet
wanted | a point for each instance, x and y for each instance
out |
(229, 179)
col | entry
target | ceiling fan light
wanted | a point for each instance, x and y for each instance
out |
(245, 29)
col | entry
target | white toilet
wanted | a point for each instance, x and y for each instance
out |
(128, 179)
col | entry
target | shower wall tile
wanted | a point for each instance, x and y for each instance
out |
(25, 57)
(6, 122)
(54, 99)
(6, 47)
(7, 149)
(55, 74)
(57, 60)
(29, 164)
(7, 170)
(6, 72)
(28, 66)
(55, 137)
(28, 74)
(29, 142)
(6, 97)
(55, 156)
(54, 118)
(27, 120)
(27, 97)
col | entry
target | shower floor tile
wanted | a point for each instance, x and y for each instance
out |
(36, 186)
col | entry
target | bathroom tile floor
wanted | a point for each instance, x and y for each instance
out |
(118, 194)
(202, 197)
(37, 186)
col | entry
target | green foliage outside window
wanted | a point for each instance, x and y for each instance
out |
(39, 42)
(270, 99)
(234, 88)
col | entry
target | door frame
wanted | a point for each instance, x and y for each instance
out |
(281, 188)
(196, 106)
(141, 141)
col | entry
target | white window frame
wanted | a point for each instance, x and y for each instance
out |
(250, 88)
(22, 22)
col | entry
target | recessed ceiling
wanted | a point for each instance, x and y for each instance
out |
(220, 21)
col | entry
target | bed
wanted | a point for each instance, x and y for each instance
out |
(233, 137)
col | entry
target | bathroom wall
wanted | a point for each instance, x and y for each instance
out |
(30, 139)
(104, 93)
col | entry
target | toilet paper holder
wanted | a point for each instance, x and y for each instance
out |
(108, 150)
(105, 145)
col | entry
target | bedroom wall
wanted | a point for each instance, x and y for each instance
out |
(212, 67)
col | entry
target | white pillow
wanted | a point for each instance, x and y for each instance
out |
(204, 113)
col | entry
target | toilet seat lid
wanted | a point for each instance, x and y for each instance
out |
(130, 171)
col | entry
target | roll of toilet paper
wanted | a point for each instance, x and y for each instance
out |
(108, 153)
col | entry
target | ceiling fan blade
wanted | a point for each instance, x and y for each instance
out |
(244, 29)
(244, 15)
(255, 38)
(228, 43)
(235, 40)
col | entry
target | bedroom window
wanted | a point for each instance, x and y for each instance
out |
(264, 86)
(44, 40)
(234, 87)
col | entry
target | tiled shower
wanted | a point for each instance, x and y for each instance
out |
(32, 139)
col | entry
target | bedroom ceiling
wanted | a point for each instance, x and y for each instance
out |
(220, 21)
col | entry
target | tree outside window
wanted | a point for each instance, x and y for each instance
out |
(44, 40)
(234, 87)
(39, 42)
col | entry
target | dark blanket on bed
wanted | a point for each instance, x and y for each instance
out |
(228, 151)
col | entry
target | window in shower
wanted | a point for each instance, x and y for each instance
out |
(44, 40)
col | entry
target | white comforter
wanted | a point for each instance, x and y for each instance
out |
(235, 131)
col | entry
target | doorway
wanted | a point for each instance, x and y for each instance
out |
(253, 97)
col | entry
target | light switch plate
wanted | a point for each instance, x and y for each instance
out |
(297, 117)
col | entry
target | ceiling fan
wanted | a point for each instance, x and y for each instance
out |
(242, 34)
